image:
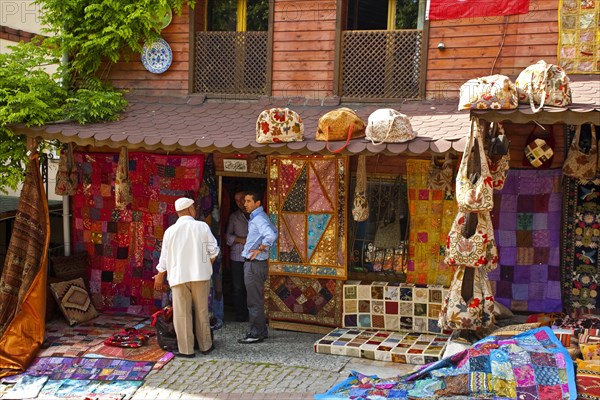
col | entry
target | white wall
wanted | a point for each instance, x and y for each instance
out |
(20, 14)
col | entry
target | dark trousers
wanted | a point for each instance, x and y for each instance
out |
(255, 275)
(239, 291)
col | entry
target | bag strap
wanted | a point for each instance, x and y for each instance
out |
(345, 144)
(387, 135)
(530, 93)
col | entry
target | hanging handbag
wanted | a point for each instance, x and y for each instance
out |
(494, 92)
(338, 125)
(123, 195)
(581, 161)
(387, 125)
(499, 146)
(475, 313)
(441, 177)
(539, 151)
(360, 205)
(543, 84)
(475, 251)
(277, 125)
(66, 175)
(478, 195)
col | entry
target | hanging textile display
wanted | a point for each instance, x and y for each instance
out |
(526, 219)
(578, 38)
(307, 203)
(307, 265)
(124, 244)
(580, 269)
(23, 281)
(304, 300)
(431, 213)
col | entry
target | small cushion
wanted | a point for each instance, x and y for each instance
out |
(588, 379)
(74, 301)
(590, 351)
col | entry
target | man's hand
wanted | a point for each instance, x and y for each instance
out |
(159, 282)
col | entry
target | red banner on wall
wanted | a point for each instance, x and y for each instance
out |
(455, 9)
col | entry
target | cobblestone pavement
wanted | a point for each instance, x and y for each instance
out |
(284, 366)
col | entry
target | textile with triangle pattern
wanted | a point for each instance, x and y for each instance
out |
(307, 203)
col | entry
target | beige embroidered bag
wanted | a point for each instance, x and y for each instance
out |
(341, 124)
(543, 84)
(479, 195)
(277, 125)
(123, 195)
(360, 205)
(66, 175)
(494, 92)
(387, 125)
(477, 250)
(470, 314)
(580, 164)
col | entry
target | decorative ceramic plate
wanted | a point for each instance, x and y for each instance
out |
(157, 56)
(163, 17)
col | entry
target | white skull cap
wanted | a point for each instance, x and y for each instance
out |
(183, 203)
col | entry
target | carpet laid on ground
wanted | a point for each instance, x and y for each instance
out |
(75, 363)
(531, 365)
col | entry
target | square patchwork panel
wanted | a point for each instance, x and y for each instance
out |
(393, 306)
(404, 347)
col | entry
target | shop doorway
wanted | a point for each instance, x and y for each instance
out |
(229, 187)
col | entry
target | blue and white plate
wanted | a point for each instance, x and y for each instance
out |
(157, 56)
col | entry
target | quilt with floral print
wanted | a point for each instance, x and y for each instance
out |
(124, 244)
(307, 203)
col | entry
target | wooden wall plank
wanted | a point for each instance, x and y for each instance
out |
(474, 47)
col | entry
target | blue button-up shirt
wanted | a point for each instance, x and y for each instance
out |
(260, 231)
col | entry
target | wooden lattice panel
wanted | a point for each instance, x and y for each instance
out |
(231, 63)
(381, 64)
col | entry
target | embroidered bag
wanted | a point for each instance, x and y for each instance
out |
(277, 125)
(66, 175)
(539, 151)
(477, 250)
(123, 195)
(581, 164)
(441, 178)
(478, 195)
(471, 314)
(387, 125)
(543, 84)
(340, 124)
(360, 206)
(494, 92)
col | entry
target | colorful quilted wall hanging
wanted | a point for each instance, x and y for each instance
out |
(307, 203)
(579, 36)
(431, 212)
(526, 219)
(304, 300)
(124, 245)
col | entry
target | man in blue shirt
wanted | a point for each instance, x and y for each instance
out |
(261, 236)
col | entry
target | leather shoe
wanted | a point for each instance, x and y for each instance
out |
(178, 354)
(250, 339)
(207, 352)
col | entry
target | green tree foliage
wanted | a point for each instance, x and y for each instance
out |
(94, 34)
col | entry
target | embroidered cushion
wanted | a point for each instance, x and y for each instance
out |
(538, 152)
(74, 301)
(588, 379)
